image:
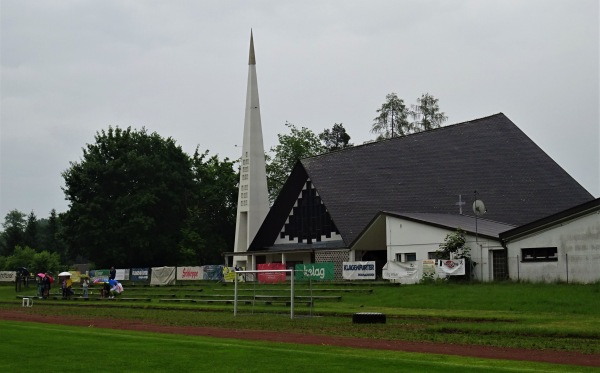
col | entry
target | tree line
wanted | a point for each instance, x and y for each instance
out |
(136, 199)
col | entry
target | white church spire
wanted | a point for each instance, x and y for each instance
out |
(253, 198)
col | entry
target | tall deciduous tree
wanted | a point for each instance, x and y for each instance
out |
(210, 227)
(392, 120)
(300, 143)
(336, 138)
(426, 113)
(128, 199)
(13, 233)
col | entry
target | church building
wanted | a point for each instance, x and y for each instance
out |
(397, 199)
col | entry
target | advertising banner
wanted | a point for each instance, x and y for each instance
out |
(189, 273)
(140, 274)
(99, 273)
(212, 272)
(75, 276)
(229, 274)
(404, 272)
(314, 271)
(8, 276)
(452, 267)
(273, 277)
(122, 274)
(162, 276)
(359, 270)
(429, 267)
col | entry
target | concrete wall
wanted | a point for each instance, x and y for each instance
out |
(578, 248)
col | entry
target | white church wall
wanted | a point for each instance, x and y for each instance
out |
(577, 244)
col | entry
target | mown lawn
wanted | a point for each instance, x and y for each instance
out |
(37, 347)
(522, 315)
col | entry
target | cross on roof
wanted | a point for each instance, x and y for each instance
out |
(460, 203)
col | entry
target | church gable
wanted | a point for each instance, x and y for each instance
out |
(308, 221)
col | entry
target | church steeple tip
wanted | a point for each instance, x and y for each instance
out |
(251, 59)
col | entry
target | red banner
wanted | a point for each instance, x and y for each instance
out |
(271, 277)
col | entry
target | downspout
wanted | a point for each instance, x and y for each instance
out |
(503, 243)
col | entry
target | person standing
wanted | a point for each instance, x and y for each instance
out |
(46, 286)
(84, 285)
(113, 273)
(40, 285)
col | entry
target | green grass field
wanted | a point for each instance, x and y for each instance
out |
(535, 316)
(53, 348)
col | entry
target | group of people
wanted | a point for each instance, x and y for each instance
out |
(109, 289)
(44, 283)
(112, 287)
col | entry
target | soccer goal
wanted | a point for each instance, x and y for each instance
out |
(256, 274)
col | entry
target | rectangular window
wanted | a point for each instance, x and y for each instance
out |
(432, 255)
(406, 257)
(540, 254)
(410, 257)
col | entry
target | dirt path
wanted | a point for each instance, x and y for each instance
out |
(556, 357)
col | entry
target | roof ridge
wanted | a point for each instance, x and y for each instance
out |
(446, 213)
(409, 135)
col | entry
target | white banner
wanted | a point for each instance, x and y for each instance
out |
(122, 274)
(162, 276)
(452, 267)
(190, 273)
(408, 272)
(8, 276)
(358, 270)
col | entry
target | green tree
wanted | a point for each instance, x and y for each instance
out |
(336, 138)
(50, 237)
(454, 247)
(30, 235)
(298, 144)
(46, 261)
(35, 262)
(392, 120)
(13, 233)
(426, 113)
(21, 257)
(128, 199)
(210, 227)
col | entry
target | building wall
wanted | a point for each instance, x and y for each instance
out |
(406, 236)
(578, 252)
(338, 257)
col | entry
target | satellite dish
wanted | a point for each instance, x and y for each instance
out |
(479, 207)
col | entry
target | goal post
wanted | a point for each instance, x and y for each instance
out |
(257, 272)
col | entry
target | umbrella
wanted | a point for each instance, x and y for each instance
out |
(64, 274)
(100, 281)
(50, 278)
(112, 282)
(42, 275)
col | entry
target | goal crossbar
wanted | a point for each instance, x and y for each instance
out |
(257, 271)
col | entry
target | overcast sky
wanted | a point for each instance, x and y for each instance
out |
(179, 68)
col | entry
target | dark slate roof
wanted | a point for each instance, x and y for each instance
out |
(425, 173)
(548, 221)
(482, 227)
